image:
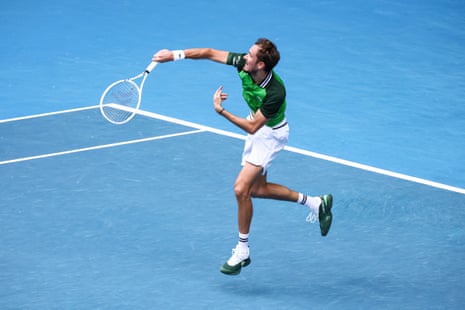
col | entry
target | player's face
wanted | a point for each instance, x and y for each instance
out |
(251, 61)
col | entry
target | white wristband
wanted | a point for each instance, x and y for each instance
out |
(178, 54)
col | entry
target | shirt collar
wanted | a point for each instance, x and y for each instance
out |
(266, 80)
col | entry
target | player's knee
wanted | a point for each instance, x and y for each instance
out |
(241, 191)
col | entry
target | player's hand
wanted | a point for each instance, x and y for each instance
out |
(218, 99)
(163, 55)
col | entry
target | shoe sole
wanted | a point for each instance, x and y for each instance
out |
(325, 216)
(234, 270)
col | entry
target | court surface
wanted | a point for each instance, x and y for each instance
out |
(141, 216)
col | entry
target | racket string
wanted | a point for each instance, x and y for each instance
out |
(121, 101)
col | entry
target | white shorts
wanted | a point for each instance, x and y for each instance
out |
(262, 147)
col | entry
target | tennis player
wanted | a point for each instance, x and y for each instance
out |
(268, 131)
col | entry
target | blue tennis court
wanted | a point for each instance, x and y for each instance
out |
(141, 216)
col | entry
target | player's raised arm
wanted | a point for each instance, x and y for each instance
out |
(165, 55)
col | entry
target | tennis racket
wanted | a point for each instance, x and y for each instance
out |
(120, 101)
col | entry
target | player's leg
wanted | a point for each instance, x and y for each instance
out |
(261, 149)
(320, 206)
(242, 189)
(263, 189)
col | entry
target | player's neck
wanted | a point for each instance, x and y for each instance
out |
(259, 76)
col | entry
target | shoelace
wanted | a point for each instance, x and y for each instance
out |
(311, 217)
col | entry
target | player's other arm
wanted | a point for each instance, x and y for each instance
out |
(249, 125)
(191, 53)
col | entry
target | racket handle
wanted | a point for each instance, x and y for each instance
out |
(150, 67)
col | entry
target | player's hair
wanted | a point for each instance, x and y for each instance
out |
(268, 53)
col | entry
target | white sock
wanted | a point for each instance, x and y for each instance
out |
(311, 202)
(243, 240)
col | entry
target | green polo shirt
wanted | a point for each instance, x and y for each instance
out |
(269, 96)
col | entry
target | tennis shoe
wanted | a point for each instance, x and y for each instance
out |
(240, 258)
(324, 214)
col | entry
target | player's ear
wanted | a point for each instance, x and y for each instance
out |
(261, 65)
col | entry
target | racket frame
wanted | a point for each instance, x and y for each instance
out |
(139, 88)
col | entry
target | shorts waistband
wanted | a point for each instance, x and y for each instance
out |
(277, 126)
(280, 125)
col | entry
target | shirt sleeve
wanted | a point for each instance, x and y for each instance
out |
(236, 59)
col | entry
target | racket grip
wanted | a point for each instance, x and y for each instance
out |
(150, 67)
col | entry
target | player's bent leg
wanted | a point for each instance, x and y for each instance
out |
(263, 189)
(320, 207)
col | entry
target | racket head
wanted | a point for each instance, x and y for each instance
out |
(120, 101)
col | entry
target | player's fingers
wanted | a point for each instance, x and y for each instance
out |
(218, 92)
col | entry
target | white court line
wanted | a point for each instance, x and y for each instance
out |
(193, 125)
(315, 155)
(20, 118)
(377, 170)
(98, 147)
(202, 128)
